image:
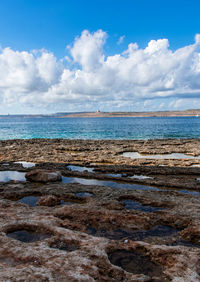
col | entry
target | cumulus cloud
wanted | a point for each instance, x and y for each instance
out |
(88, 50)
(89, 77)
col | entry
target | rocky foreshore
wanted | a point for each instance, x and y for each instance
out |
(81, 210)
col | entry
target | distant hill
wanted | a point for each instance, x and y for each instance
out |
(185, 113)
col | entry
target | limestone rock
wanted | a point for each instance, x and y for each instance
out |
(40, 175)
(49, 201)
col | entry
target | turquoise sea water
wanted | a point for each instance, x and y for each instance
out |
(100, 128)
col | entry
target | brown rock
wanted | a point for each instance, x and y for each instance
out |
(100, 238)
(49, 201)
(40, 175)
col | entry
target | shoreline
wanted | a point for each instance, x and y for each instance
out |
(106, 140)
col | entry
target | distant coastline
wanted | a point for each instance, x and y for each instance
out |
(186, 113)
(99, 114)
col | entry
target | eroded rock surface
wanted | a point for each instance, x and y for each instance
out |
(40, 175)
(56, 231)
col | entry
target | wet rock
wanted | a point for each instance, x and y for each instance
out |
(40, 175)
(49, 201)
(192, 233)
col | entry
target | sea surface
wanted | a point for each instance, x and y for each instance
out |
(100, 128)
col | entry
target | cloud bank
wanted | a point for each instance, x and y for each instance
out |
(87, 78)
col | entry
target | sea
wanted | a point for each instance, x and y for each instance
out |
(99, 128)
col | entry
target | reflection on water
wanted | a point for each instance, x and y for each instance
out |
(63, 203)
(27, 236)
(194, 193)
(6, 176)
(29, 200)
(140, 177)
(114, 175)
(84, 194)
(119, 185)
(137, 263)
(136, 155)
(80, 168)
(134, 205)
(140, 235)
(111, 184)
(26, 164)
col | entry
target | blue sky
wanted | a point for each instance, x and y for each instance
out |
(51, 25)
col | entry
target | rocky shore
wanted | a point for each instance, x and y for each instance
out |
(81, 210)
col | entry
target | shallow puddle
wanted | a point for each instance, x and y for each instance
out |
(119, 234)
(80, 168)
(76, 199)
(29, 200)
(177, 156)
(134, 205)
(159, 231)
(181, 242)
(64, 246)
(8, 175)
(114, 175)
(194, 193)
(110, 184)
(156, 231)
(120, 185)
(26, 164)
(84, 194)
(140, 177)
(27, 236)
(66, 203)
(136, 263)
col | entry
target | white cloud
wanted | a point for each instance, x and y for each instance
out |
(90, 78)
(88, 50)
(121, 39)
(183, 103)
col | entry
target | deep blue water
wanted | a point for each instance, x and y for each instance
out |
(100, 128)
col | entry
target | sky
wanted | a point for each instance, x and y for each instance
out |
(108, 55)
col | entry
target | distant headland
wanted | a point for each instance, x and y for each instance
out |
(185, 113)
(99, 114)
